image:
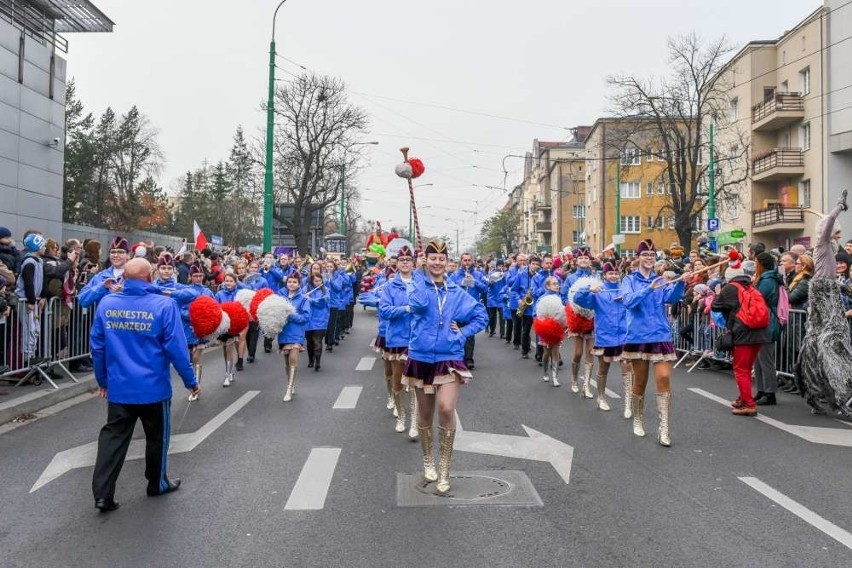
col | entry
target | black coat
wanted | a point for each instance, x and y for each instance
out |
(11, 257)
(727, 302)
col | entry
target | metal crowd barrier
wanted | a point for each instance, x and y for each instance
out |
(35, 344)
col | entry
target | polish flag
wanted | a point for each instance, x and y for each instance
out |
(200, 239)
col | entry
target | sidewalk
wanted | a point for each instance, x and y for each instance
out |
(28, 398)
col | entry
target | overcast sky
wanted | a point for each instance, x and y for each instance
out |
(199, 68)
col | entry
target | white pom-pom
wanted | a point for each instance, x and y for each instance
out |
(224, 325)
(583, 282)
(244, 297)
(272, 315)
(550, 306)
(403, 170)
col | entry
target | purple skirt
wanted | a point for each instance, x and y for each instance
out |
(378, 344)
(396, 353)
(654, 352)
(609, 354)
(428, 376)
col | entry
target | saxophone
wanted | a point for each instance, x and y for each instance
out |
(527, 300)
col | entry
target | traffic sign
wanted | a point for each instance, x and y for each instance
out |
(618, 239)
(713, 224)
(737, 234)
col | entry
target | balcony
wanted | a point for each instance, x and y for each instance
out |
(778, 218)
(777, 112)
(543, 227)
(542, 205)
(778, 164)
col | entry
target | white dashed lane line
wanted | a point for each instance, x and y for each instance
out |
(312, 486)
(365, 364)
(348, 398)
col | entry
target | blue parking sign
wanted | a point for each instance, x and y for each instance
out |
(713, 224)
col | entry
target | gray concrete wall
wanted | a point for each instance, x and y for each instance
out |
(82, 232)
(839, 100)
(30, 169)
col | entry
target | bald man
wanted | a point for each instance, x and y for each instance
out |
(136, 336)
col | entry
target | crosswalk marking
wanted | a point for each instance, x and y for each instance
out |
(312, 486)
(348, 398)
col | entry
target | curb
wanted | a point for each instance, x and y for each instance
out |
(39, 400)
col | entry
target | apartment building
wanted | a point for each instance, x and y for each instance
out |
(838, 98)
(624, 179)
(776, 108)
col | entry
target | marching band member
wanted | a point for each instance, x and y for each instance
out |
(228, 293)
(546, 271)
(579, 327)
(523, 290)
(395, 309)
(109, 279)
(649, 336)
(184, 295)
(472, 281)
(549, 326)
(253, 281)
(379, 343)
(512, 300)
(166, 272)
(610, 332)
(443, 317)
(496, 300)
(292, 337)
(316, 329)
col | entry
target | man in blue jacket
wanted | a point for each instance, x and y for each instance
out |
(136, 335)
(473, 282)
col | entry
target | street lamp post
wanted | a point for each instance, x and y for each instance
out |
(270, 118)
(342, 230)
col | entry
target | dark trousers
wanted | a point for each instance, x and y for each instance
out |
(510, 324)
(469, 345)
(526, 327)
(331, 331)
(495, 316)
(114, 440)
(267, 344)
(518, 320)
(251, 338)
(350, 315)
(314, 344)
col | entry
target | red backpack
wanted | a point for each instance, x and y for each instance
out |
(753, 312)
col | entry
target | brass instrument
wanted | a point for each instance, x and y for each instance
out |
(350, 268)
(307, 261)
(527, 300)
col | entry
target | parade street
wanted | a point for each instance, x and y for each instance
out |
(540, 477)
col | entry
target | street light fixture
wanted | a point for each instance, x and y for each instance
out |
(270, 118)
(342, 229)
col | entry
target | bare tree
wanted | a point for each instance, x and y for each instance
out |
(316, 128)
(675, 112)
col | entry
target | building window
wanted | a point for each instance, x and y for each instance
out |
(805, 194)
(632, 157)
(628, 253)
(575, 237)
(671, 188)
(630, 224)
(805, 81)
(649, 188)
(735, 110)
(630, 190)
(649, 221)
(661, 189)
(661, 219)
(785, 87)
(805, 136)
(649, 155)
(578, 211)
(671, 223)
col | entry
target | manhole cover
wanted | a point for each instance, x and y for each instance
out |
(469, 488)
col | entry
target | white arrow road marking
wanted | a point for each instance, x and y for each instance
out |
(609, 393)
(84, 456)
(365, 364)
(537, 447)
(814, 434)
(348, 398)
(829, 528)
(312, 486)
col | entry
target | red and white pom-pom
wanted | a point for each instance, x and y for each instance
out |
(260, 296)
(224, 326)
(577, 323)
(549, 331)
(273, 313)
(735, 259)
(583, 282)
(238, 317)
(550, 307)
(404, 170)
(205, 316)
(417, 167)
(244, 297)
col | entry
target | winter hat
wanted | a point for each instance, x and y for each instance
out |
(843, 257)
(34, 242)
(701, 289)
(120, 243)
(5, 233)
(645, 246)
(735, 265)
(766, 260)
(749, 267)
(139, 250)
(677, 250)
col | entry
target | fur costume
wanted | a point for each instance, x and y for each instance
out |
(273, 313)
(824, 366)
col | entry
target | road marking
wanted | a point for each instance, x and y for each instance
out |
(365, 364)
(536, 446)
(609, 393)
(312, 486)
(829, 528)
(814, 434)
(348, 397)
(84, 456)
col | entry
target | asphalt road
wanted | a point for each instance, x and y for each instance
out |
(721, 496)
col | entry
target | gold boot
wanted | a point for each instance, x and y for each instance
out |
(602, 403)
(587, 380)
(400, 412)
(627, 380)
(664, 406)
(430, 474)
(575, 379)
(291, 384)
(639, 415)
(412, 400)
(446, 457)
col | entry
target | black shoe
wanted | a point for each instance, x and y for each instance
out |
(106, 505)
(525, 356)
(758, 395)
(170, 486)
(539, 362)
(470, 364)
(78, 368)
(491, 334)
(239, 365)
(250, 359)
(317, 367)
(768, 399)
(267, 349)
(516, 347)
(561, 362)
(310, 364)
(328, 349)
(336, 343)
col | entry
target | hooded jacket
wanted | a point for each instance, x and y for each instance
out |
(337, 292)
(395, 309)
(610, 313)
(320, 310)
(538, 282)
(497, 294)
(136, 335)
(509, 291)
(728, 304)
(225, 295)
(769, 285)
(646, 313)
(294, 329)
(432, 340)
(11, 257)
(479, 286)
